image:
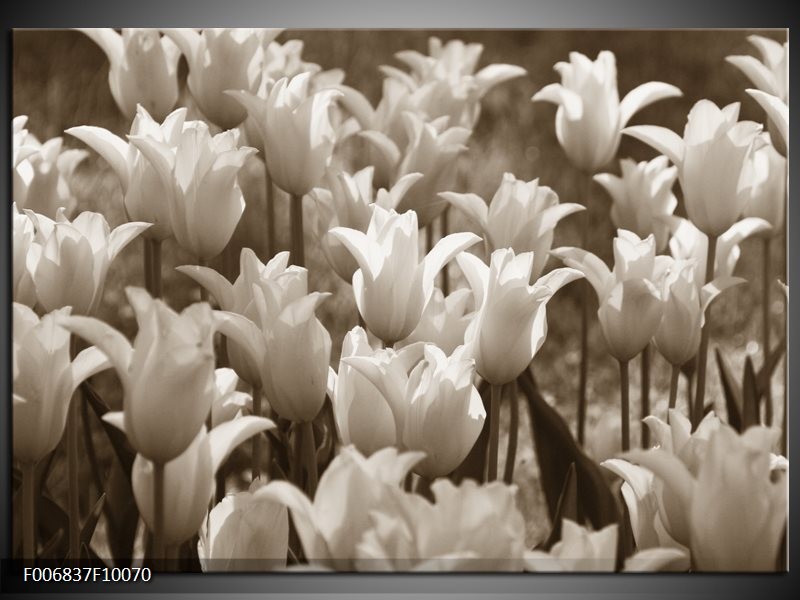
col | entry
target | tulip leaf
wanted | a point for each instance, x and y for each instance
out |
(474, 465)
(764, 375)
(122, 515)
(89, 557)
(751, 400)
(50, 547)
(119, 442)
(87, 531)
(556, 451)
(567, 508)
(733, 397)
(51, 519)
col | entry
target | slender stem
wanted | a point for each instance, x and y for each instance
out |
(147, 266)
(766, 280)
(155, 264)
(29, 512)
(73, 466)
(513, 433)
(203, 291)
(257, 438)
(645, 396)
(270, 195)
(494, 431)
(158, 513)
(296, 462)
(624, 386)
(702, 355)
(310, 452)
(428, 237)
(298, 245)
(584, 300)
(673, 388)
(445, 268)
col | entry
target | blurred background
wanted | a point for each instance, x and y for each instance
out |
(60, 80)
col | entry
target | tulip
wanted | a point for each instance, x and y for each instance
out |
(144, 194)
(444, 321)
(296, 130)
(511, 323)
(711, 160)
(521, 216)
(345, 201)
(331, 526)
(199, 173)
(777, 117)
(228, 402)
(24, 290)
(436, 408)
(42, 172)
(743, 528)
(167, 375)
(44, 380)
(642, 197)
(432, 150)
(392, 286)
(143, 69)
(768, 195)
(468, 527)
(188, 479)
(221, 60)
(70, 266)
(244, 533)
(590, 116)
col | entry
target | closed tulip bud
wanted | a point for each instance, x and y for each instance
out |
(345, 201)
(444, 321)
(245, 533)
(511, 323)
(642, 197)
(296, 130)
(144, 194)
(199, 174)
(590, 116)
(24, 290)
(392, 286)
(424, 535)
(44, 380)
(228, 402)
(238, 297)
(143, 69)
(42, 173)
(331, 526)
(220, 60)
(521, 216)
(189, 477)
(70, 266)
(167, 375)
(713, 160)
(768, 195)
(732, 498)
(689, 243)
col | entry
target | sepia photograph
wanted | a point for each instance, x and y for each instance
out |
(371, 300)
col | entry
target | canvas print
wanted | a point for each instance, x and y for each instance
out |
(400, 300)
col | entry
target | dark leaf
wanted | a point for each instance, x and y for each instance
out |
(50, 548)
(768, 368)
(51, 519)
(567, 508)
(87, 531)
(122, 515)
(733, 397)
(473, 466)
(119, 442)
(89, 558)
(626, 544)
(750, 397)
(556, 450)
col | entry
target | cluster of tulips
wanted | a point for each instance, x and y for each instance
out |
(391, 461)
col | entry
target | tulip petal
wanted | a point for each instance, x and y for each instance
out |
(111, 147)
(216, 284)
(244, 332)
(159, 154)
(444, 250)
(109, 41)
(364, 250)
(756, 72)
(662, 139)
(712, 289)
(124, 235)
(384, 145)
(495, 74)
(472, 205)
(88, 362)
(115, 418)
(658, 559)
(477, 274)
(558, 94)
(188, 40)
(643, 95)
(668, 468)
(776, 109)
(225, 437)
(106, 338)
(356, 104)
(594, 269)
(558, 278)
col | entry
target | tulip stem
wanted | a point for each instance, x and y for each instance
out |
(73, 417)
(29, 512)
(673, 388)
(298, 245)
(256, 438)
(155, 259)
(446, 267)
(310, 452)
(148, 261)
(494, 432)
(513, 433)
(270, 195)
(204, 298)
(158, 513)
(765, 283)
(624, 386)
(645, 395)
(702, 356)
(584, 300)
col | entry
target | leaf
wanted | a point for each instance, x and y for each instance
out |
(119, 442)
(87, 531)
(768, 368)
(122, 515)
(51, 519)
(751, 400)
(473, 466)
(49, 548)
(556, 450)
(89, 558)
(733, 396)
(567, 508)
